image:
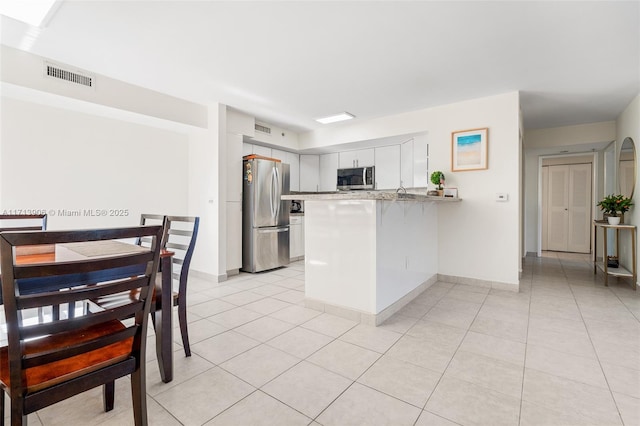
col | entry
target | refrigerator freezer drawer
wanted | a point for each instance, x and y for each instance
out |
(270, 249)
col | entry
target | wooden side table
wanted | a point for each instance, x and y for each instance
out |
(620, 271)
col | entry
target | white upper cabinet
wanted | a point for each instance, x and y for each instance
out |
(387, 167)
(406, 163)
(357, 158)
(328, 172)
(309, 173)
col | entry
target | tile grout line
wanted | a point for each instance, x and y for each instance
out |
(424, 407)
(595, 351)
(526, 343)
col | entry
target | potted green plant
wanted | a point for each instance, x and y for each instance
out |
(612, 204)
(437, 178)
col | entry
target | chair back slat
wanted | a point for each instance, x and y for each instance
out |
(77, 294)
(181, 232)
(62, 325)
(23, 222)
(106, 267)
(74, 349)
(40, 369)
(176, 246)
(22, 228)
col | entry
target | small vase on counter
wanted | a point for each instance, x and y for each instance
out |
(613, 220)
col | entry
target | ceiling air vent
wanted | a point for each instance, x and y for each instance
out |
(263, 129)
(53, 71)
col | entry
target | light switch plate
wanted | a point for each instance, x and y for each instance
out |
(502, 196)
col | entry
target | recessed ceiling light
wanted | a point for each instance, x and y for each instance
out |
(334, 118)
(33, 12)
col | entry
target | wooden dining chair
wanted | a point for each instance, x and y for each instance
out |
(181, 233)
(47, 362)
(179, 237)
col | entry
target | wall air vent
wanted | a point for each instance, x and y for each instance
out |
(263, 129)
(54, 71)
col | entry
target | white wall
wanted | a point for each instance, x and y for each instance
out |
(204, 194)
(55, 159)
(570, 135)
(479, 237)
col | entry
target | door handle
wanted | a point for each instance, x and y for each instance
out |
(278, 191)
(272, 231)
(273, 189)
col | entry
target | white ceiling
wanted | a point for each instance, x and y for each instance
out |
(290, 62)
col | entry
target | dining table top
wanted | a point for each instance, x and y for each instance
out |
(77, 251)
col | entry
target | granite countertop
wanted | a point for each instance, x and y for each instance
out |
(367, 195)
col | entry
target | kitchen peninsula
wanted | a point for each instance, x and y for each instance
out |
(368, 253)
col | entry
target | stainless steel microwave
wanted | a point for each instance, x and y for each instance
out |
(356, 178)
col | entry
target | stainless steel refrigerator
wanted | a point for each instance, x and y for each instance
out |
(265, 217)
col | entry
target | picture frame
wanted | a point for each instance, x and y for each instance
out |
(469, 149)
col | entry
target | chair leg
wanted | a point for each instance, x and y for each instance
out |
(2, 407)
(139, 397)
(108, 395)
(182, 319)
(18, 418)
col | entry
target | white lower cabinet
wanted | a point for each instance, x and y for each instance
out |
(296, 237)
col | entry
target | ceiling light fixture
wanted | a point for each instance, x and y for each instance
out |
(335, 118)
(33, 12)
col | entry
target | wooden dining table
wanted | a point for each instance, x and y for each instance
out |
(164, 291)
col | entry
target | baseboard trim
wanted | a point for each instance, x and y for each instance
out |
(366, 317)
(479, 283)
(207, 276)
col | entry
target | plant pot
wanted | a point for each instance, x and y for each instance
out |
(606, 216)
(614, 220)
(440, 192)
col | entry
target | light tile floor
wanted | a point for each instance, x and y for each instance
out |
(565, 350)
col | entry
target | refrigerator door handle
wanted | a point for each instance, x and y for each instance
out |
(272, 230)
(277, 192)
(273, 174)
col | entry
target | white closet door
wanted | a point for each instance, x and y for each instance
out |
(579, 237)
(558, 209)
(568, 208)
(544, 209)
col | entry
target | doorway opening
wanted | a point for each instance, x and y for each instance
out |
(566, 202)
